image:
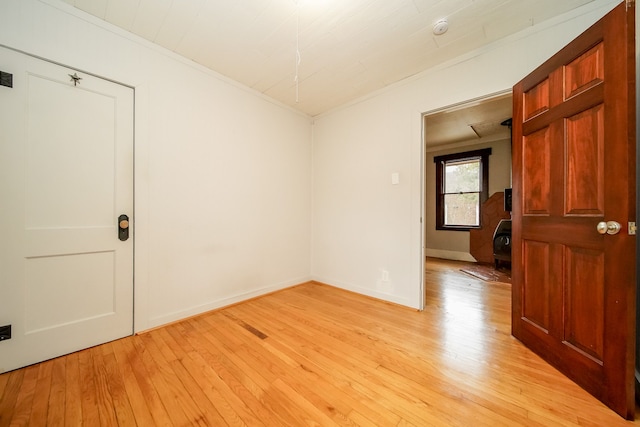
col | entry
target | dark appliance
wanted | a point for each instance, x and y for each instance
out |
(502, 242)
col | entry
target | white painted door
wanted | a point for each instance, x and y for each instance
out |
(66, 174)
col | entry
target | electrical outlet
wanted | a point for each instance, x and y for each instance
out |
(5, 332)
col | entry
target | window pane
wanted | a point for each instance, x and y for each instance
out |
(462, 209)
(462, 176)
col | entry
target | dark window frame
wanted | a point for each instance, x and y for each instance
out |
(441, 161)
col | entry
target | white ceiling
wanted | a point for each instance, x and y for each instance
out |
(348, 48)
(472, 122)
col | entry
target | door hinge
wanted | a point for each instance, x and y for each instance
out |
(6, 79)
(632, 228)
(629, 3)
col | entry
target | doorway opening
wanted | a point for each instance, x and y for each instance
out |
(468, 126)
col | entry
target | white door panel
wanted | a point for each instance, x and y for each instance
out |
(66, 162)
(58, 192)
(69, 284)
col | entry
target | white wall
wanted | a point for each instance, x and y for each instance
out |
(362, 224)
(222, 209)
(455, 244)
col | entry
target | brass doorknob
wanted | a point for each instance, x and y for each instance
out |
(124, 223)
(609, 227)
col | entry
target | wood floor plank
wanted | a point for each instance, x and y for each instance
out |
(305, 410)
(24, 402)
(57, 394)
(177, 361)
(375, 365)
(358, 361)
(350, 377)
(10, 396)
(73, 392)
(342, 397)
(180, 385)
(294, 376)
(88, 389)
(297, 369)
(135, 396)
(314, 355)
(165, 393)
(242, 386)
(360, 420)
(4, 379)
(40, 406)
(126, 350)
(104, 400)
(228, 404)
(257, 377)
(249, 376)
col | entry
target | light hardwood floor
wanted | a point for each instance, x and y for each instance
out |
(314, 355)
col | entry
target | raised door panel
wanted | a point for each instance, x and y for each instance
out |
(536, 175)
(584, 72)
(536, 100)
(536, 284)
(584, 301)
(584, 139)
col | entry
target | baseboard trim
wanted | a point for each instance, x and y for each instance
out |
(452, 255)
(369, 292)
(167, 319)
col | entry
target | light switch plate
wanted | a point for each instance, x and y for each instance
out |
(395, 178)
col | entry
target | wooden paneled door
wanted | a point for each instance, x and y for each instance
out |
(574, 176)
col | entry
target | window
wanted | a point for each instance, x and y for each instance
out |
(462, 185)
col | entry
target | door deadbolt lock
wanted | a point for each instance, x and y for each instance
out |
(609, 227)
(123, 227)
